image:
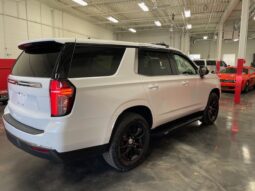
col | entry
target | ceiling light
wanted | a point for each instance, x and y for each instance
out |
(236, 39)
(157, 23)
(143, 6)
(254, 18)
(112, 19)
(80, 2)
(187, 13)
(205, 37)
(132, 30)
(189, 26)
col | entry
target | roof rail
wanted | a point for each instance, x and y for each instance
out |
(161, 44)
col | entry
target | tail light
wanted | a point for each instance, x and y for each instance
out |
(62, 95)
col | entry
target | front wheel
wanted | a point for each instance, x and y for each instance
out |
(130, 143)
(212, 109)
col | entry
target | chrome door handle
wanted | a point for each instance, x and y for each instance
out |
(153, 87)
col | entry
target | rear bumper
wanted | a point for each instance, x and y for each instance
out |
(227, 86)
(32, 141)
(54, 155)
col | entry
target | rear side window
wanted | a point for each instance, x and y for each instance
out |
(37, 59)
(91, 61)
(152, 63)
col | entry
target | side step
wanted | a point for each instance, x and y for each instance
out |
(168, 127)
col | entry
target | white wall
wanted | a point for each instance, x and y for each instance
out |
(208, 49)
(155, 36)
(31, 19)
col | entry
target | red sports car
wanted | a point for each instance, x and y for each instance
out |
(228, 78)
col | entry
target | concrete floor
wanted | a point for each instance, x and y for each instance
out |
(220, 157)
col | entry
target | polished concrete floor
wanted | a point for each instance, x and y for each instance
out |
(219, 157)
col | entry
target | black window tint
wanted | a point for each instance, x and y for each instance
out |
(199, 62)
(37, 60)
(153, 63)
(90, 61)
(211, 63)
(184, 66)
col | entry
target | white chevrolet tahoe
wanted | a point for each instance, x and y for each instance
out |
(70, 97)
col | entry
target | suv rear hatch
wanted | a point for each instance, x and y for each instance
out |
(29, 82)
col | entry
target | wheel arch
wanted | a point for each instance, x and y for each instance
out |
(215, 90)
(141, 109)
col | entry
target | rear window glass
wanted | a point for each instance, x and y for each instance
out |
(199, 62)
(37, 60)
(91, 61)
(211, 63)
(233, 71)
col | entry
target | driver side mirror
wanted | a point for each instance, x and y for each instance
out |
(203, 70)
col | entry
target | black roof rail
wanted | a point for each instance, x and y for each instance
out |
(162, 44)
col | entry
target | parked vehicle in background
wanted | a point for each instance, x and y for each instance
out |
(228, 78)
(5, 70)
(70, 96)
(210, 64)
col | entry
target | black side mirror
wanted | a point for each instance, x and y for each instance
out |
(203, 70)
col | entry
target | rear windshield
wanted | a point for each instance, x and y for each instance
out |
(37, 60)
(233, 71)
(92, 61)
(199, 62)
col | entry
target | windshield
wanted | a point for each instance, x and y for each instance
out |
(233, 71)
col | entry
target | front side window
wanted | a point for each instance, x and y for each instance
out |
(199, 62)
(183, 65)
(92, 61)
(152, 63)
(211, 63)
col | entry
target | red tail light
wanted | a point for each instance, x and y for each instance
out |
(62, 94)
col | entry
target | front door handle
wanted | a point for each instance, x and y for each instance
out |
(153, 87)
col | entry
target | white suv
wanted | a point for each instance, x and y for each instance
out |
(70, 97)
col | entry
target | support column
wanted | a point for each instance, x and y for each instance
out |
(242, 49)
(220, 35)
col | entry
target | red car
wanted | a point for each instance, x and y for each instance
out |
(5, 70)
(228, 78)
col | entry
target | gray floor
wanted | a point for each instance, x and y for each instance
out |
(220, 157)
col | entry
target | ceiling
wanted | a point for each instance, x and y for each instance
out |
(205, 14)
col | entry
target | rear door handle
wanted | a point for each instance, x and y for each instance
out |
(153, 87)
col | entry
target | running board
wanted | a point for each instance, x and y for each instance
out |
(170, 126)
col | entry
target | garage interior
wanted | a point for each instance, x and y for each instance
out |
(219, 157)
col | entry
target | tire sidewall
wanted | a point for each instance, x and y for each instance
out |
(128, 119)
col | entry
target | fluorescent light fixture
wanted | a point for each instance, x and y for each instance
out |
(187, 13)
(189, 26)
(112, 19)
(157, 23)
(143, 6)
(205, 37)
(236, 39)
(132, 30)
(80, 2)
(254, 17)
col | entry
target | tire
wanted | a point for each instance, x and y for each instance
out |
(130, 143)
(211, 111)
(246, 88)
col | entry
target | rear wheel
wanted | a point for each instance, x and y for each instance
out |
(130, 143)
(212, 109)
